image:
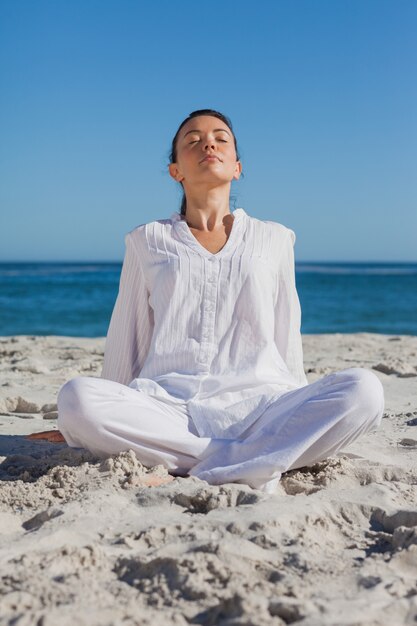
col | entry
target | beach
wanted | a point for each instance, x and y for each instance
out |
(87, 541)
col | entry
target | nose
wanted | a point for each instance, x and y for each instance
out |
(210, 144)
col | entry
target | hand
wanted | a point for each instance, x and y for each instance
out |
(53, 436)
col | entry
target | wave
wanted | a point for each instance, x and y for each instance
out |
(357, 270)
(32, 270)
(53, 270)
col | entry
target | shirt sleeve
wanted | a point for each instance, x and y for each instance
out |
(131, 324)
(288, 313)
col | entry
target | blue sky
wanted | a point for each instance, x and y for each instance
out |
(322, 96)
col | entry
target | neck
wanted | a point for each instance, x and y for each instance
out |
(207, 209)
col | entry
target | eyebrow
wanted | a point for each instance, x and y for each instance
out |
(200, 131)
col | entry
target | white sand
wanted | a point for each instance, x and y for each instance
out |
(84, 542)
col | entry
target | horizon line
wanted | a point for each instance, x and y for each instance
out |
(114, 261)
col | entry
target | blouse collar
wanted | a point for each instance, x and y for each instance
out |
(182, 228)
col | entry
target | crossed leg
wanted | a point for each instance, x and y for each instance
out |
(299, 428)
(106, 417)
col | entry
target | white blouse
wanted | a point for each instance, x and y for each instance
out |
(220, 332)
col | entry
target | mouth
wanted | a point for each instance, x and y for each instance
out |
(210, 157)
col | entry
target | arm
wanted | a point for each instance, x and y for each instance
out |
(288, 313)
(131, 324)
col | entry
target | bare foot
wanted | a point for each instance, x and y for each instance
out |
(149, 480)
(53, 436)
(156, 481)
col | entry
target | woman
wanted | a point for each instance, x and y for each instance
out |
(203, 366)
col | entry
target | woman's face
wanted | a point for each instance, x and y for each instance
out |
(206, 153)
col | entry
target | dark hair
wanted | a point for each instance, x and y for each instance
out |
(173, 153)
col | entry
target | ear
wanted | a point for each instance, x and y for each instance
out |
(238, 170)
(175, 173)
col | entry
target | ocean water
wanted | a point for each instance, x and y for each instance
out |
(77, 299)
(358, 297)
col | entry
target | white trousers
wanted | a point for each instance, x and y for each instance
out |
(298, 429)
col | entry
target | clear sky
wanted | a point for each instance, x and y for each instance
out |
(322, 95)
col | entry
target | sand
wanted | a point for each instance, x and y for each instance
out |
(86, 541)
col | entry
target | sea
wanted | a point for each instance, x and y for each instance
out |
(76, 299)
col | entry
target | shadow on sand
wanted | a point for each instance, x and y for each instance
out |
(27, 460)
